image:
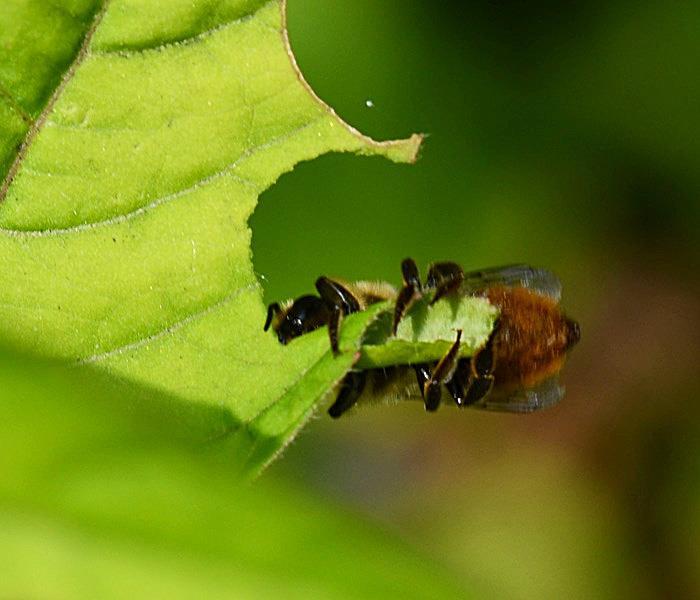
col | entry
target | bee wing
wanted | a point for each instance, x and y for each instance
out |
(540, 281)
(524, 400)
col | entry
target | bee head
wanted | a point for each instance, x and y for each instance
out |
(305, 314)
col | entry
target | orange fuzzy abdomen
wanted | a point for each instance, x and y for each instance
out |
(531, 340)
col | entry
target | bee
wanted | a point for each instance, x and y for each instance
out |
(516, 370)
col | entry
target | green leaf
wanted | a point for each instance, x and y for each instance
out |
(135, 139)
(99, 499)
(426, 332)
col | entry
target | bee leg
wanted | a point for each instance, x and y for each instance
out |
(459, 380)
(479, 388)
(336, 294)
(445, 278)
(423, 375)
(482, 366)
(333, 329)
(272, 311)
(351, 388)
(411, 288)
(443, 372)
(339, 301)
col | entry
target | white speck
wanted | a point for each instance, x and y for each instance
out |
(194, 254)
(369, 103)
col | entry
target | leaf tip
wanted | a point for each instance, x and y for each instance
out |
(401, 151)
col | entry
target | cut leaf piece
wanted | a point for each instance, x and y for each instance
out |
(426, 333)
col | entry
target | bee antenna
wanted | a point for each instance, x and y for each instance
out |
(272, 310)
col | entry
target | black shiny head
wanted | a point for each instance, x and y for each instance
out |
(305, 314)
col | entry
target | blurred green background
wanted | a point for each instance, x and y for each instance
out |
(562, 136)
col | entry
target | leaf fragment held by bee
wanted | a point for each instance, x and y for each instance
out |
(427, 332)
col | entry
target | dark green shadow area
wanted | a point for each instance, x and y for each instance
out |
(105, 494)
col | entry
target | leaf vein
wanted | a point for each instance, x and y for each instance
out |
(41, 119)
(184, 41)
(14, 105)
(143, 341)
(226, 171)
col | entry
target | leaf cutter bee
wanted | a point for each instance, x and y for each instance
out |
(516, 370)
